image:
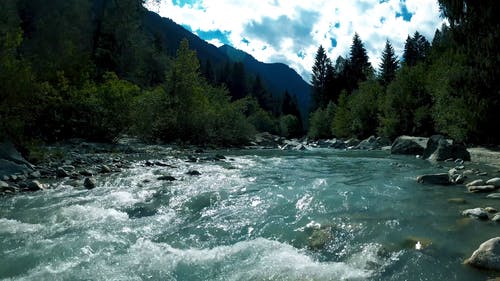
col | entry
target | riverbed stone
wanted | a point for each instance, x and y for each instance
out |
(476, 213)
(475, 183)
(493, 196)
(105, 169)
(496, 218)
(408, 145)
(35, 186)
(481, 188)
(86, 173)
(446, 150)
(494, 181)
(61, 173)
(491, 210)
(438, 179)
(487, 256)
(457, 200)
(89, 183)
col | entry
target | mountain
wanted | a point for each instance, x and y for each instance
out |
(278, 77)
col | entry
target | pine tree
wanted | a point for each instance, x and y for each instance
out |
(389, 65)
(359, 66)
(320, 71)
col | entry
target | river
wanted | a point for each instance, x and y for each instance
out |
(257, 215)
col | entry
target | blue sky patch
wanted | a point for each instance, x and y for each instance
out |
(301, 54)
(334, 42)
(182, 3)
(244, 40)
(404, 13)
(337, 25)
(222, 36)
(382, 20)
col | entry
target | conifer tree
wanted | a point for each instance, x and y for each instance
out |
(320, 73)
(359, 66)
(389, 65)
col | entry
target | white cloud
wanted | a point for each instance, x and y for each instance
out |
(306, 25)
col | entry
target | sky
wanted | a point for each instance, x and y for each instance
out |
(290, 31)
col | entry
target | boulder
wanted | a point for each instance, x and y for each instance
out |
(9, 153)
(456, 177)
(487, 256)
(494, 181)
(89, 183)
(438, 179)
(496, 218)
(338, 144)
(319, 238)
(300, 147)
(368, 144)
(408, 145)
(491, 210)
(476, 213)
(481, 188)
(446, 150)
(432, 145)
(105, 169)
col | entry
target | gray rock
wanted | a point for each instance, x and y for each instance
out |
(438, 179)
(408, 145)
(481, 188)
(35, 175)
(368, 144)
(445, 151)
(494, 181)
(456, 176)
(337, 144)
(476, 213)
(432, 145)
(9, 152)
(493, 196)
(68, 168)
(89, 183)
(487, 256)
(61, 173)
(35, 186)
(300, 147)
(496, 218)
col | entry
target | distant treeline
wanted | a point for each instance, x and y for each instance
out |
(449, 86)
(94, 69)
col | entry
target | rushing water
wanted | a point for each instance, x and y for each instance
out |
(253, 216)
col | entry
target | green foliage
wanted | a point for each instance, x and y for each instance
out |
(320, 122)
(405, 96)
(342, 121)
(364, 108)
(416, 49)
(290, 126)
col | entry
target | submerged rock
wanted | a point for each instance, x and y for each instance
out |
(416, 243)
(319, 238)
(438, 179)
(166, 178)
(476, 213)
(193, 173)
(89, 183)
(487, 256)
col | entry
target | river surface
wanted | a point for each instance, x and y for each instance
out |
(257, 215)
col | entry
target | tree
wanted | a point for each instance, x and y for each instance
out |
(388, 66)
(416, 49)
(320, 72)
(359, 68)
